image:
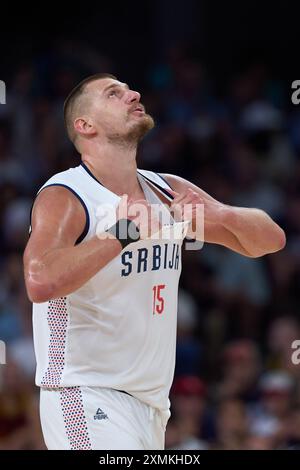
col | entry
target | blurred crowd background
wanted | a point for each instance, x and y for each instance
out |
(219, 88)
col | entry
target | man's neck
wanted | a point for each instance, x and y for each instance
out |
(115, 167)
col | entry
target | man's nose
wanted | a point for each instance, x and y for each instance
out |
(133, 96)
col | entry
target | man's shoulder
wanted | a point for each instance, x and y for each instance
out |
(62, 177)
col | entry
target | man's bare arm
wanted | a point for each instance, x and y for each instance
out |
(53, 265)
(248, 231)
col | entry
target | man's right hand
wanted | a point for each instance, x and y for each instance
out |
(141, 213)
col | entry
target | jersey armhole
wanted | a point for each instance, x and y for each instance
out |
(87, 217)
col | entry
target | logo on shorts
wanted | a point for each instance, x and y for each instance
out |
(100, 414)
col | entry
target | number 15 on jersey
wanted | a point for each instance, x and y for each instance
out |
(158, 299)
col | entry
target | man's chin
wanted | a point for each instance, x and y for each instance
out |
(141, 126)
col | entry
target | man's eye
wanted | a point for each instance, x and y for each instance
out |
(112, 93)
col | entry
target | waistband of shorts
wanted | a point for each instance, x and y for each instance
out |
(164, 413)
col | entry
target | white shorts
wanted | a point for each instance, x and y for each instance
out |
(92, 418)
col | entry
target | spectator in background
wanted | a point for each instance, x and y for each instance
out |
(18, 410)
(241, 368)
(269, 417)
(188, 396)
(283, 331)
(10, 167)
(189, 348)
(232, 425)
(291, 435)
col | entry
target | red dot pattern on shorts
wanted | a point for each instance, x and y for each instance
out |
(74, 418)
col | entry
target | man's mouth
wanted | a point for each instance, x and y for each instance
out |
(138, 110)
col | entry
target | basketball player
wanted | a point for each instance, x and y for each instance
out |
(104, 309)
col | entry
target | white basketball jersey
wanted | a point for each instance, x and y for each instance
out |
(119, 329)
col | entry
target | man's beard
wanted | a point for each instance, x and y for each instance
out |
(137, 130)
(140, 129)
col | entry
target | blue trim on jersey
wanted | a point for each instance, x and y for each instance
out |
(87, 222)
(163, 190)
(164, 179)
(90, 173)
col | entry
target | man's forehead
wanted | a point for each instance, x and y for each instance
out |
(104, 83)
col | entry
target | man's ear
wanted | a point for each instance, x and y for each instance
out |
(83, 125)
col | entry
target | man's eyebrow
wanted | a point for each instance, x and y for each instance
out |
(113, 85)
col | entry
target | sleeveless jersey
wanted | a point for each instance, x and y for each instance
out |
(118, 330)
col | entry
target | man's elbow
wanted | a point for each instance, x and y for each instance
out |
(40, 292)
(276, 242)
(282, 240)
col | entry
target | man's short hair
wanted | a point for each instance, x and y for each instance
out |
(73, 98)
